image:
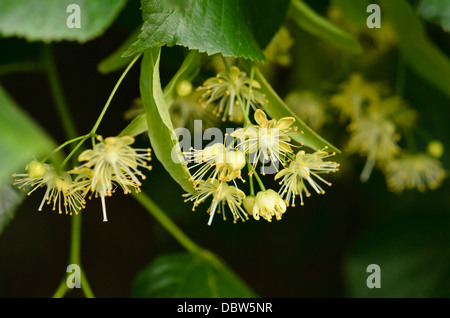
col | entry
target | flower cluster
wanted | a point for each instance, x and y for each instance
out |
(216, 168)
(111, 163)
(377, 122)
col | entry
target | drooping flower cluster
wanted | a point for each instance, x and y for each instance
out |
(377, 122)
(215, 169)
(111, 163)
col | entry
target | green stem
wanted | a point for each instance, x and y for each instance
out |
(105, 108)
(250, 180)
(252, 74)
(166, 222)
(57, 92)
(61, 106)
(61, 290)
(261, 184)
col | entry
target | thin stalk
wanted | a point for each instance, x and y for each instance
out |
(261, 184)
(57, 93)
(105, 108)
(166, 222)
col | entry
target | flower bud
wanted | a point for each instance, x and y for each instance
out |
(36, 169)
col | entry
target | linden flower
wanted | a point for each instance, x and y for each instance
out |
(419, 171)
(269, 140)
(186, 108)
(221, 163)
(113, 160)
(353, 95)
(302, 169)
(277, 51)
(223, 195)
(58, 192)
(223, 91)
(267, 205)
(374, 137)
(308, 107)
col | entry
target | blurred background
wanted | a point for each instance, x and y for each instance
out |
(319, 250)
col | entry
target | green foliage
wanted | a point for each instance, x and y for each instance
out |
(22, 139)
(315, 24)
(160, 131)
(46, 20)
(189, 275)
(413, 255)
(437, 11)
(10, 198)
(421, 54)
(208, 26)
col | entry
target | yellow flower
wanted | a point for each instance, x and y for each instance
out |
(278, 49)
(223, 91)
(374, 137)
(419, 171)
(268, 140)
(58, 185)
(114, 161)
(301, 172)
(215, 162)
(309, 107)
(268, 204)
(223, 195)
(353, 95)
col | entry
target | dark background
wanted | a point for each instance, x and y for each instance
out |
(304, 255)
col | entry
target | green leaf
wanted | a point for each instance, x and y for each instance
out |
(115, 61)
(46, 20)
(22, 139)
(276, 108)
(10, 198)
(189, 275)
(137, 126)
(421, 54)
(187, 71)
(219, 26)
(437, 11)
(160, 128)
(413, 255)
(356, 11)
(265, 18)
(310, 21)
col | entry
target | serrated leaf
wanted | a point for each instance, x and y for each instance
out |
(160, 128)
(276, 108)
(218, 26)
(310, 21)
(437, 11)
(46, 20)
(22, 139)
(188, 275)
(412, 252)
(10, 198)
(422, 55)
